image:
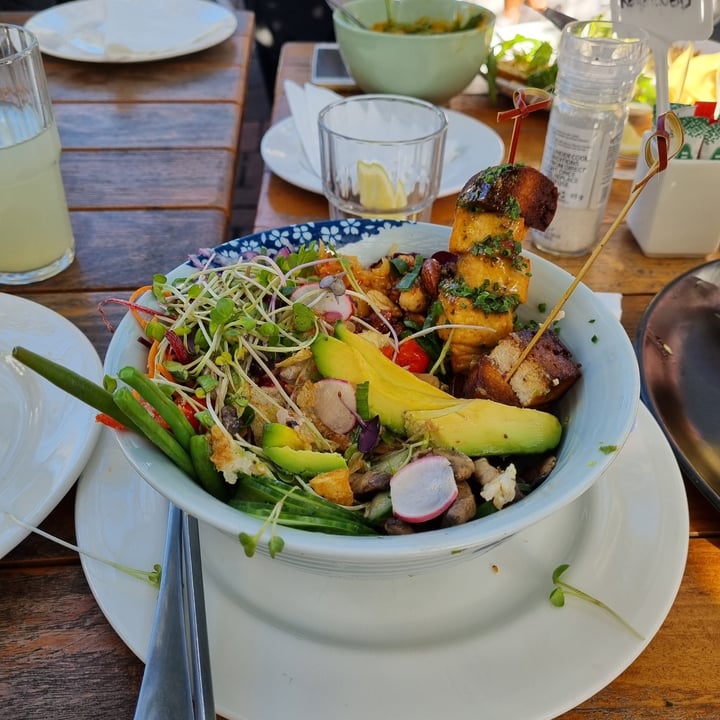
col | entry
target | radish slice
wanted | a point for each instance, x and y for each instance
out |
(323, 302)
(335, 405)
(423, 489)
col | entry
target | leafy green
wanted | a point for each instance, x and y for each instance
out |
(532, 60)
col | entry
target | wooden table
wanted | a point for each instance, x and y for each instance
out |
(678, 675)
(149, 161)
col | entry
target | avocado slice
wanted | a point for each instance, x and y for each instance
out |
(335, 359)
(285, 447)
(391, 389)
(391, 372)
(305, 462)
(483, 427)
(279, 435)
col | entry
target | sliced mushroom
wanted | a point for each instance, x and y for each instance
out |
(395, 526)
(463, 466)
(370, 482)
(484, 472)
(463, 509)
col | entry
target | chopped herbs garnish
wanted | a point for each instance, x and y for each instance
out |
(409, 279)
(512, 208)
(487, 297)
(501, 247)
(608, 449)
(400, 265)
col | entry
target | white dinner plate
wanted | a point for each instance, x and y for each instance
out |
(472, 144)
(517, 657)
(75, 31)
(46, 436)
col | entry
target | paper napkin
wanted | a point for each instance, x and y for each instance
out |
(305, 106)
(306, 102)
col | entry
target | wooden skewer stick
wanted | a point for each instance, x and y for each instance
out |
(655, 168)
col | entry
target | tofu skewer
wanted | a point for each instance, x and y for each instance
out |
(492, 215)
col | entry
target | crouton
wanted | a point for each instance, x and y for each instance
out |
(334, 486)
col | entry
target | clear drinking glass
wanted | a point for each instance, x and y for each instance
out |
(381, 156)
(36, 239)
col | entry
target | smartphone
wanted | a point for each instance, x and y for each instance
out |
(328, 68)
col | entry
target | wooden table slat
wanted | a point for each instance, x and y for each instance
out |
(130, 179)
(147, 125)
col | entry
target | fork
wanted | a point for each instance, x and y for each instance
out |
(557, 18)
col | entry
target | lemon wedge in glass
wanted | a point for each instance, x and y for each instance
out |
(376, 190)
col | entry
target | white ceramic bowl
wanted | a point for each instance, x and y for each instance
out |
(432, 67)
(600, 409)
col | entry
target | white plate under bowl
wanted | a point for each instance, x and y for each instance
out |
(46, 436)
(74, 31)
(511, 654)
(473, 146)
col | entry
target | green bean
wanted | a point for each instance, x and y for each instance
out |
(150, 392)
(205, 470)
(152, 430)
(74, 384)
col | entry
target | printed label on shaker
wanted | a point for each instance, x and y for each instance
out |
(571, 161)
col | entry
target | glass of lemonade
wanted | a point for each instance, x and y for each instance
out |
(381, 156)
(36, 239)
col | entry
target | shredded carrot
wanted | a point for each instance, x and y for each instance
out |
(142, 322)
(151, 359)
(110, 422)
(163, 371)
(153, 366)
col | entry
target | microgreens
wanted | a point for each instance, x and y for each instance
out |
(563, 589)
(276, 543)
(149, 576)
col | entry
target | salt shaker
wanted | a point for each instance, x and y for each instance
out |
(598, 64)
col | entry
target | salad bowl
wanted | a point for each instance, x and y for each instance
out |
(388, 62)
(599, 410)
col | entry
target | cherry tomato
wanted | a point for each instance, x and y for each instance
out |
(410, 356)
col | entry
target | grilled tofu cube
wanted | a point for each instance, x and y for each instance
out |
(470, 227)
(545, 375)
(498, 274)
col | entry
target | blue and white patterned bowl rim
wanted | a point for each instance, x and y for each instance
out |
(335, 233)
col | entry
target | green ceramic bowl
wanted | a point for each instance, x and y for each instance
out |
(434, 67)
